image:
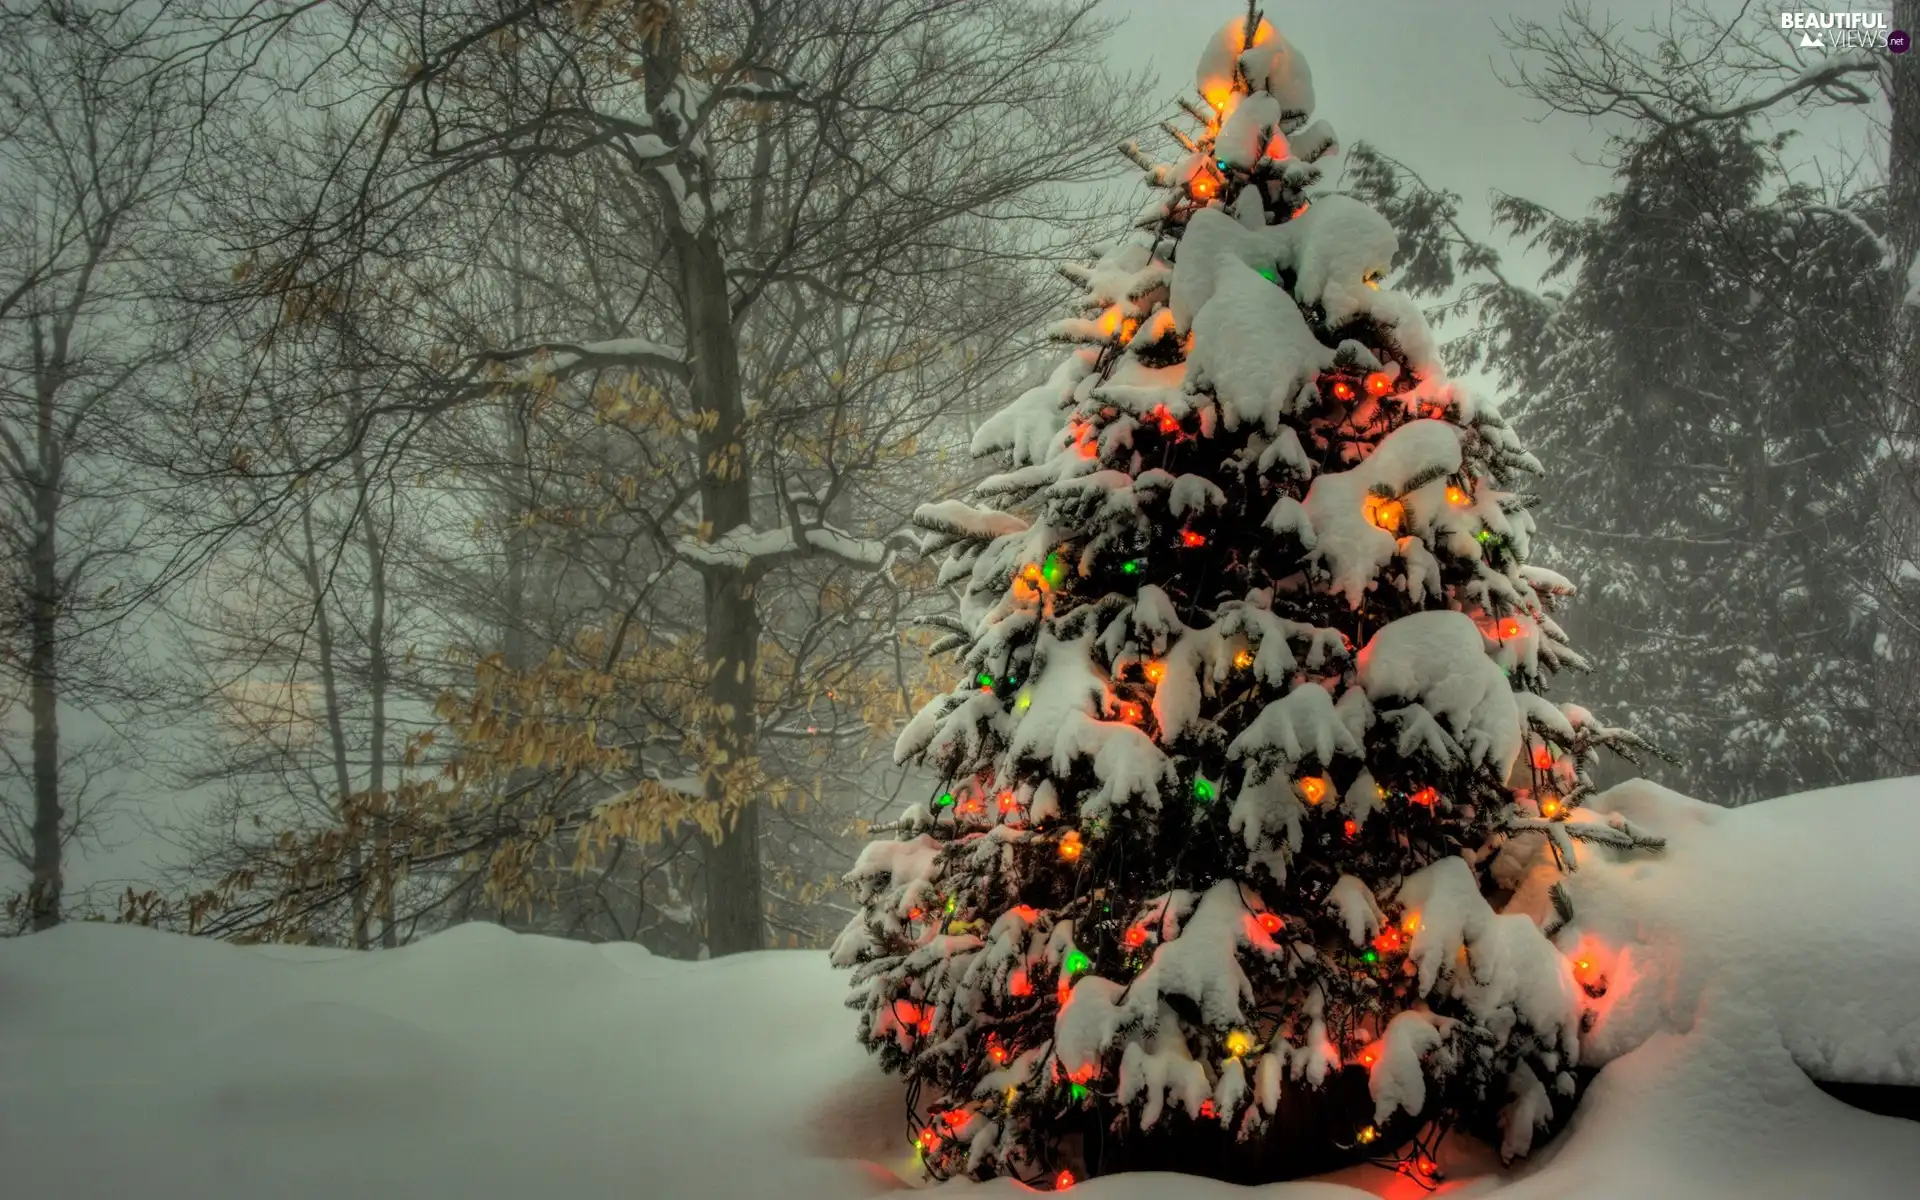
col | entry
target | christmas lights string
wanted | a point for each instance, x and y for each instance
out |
(1419, 1159)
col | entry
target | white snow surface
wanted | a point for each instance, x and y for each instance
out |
(1764, 943)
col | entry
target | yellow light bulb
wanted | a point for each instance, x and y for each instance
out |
(1239, 1042)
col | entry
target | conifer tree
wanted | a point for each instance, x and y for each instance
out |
(1705, 378)
(1251, 715)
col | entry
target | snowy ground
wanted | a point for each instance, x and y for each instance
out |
(479, 1064)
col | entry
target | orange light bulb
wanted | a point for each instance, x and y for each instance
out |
(1342, 390)
(1156, 672)
(1457, 496)
(1070, 846)
(1313, 788)
(1426, 797)
(1379, 383)
(1386, 512)
(1271, 922)
(1192, 540)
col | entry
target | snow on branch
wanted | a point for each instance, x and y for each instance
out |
(562, 360)
(1873, 237)
(747, 549)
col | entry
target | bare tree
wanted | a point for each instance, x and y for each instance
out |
(776, 177)
(92, 146)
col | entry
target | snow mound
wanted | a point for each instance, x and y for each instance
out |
(1766, 944)
(1794, 915)
(312, 1059)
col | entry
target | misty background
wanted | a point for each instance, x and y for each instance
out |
(379, 595)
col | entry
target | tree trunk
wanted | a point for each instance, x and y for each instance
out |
(43, 621)
(377, 675)
(735, 919)
(43, 892)
(735, 909)
(336, 720)
(1898, 693)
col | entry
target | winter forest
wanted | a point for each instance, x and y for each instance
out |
(812, 598)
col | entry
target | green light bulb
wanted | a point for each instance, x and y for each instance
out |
(1075, 962)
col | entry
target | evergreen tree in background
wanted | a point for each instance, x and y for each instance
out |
(1252, 713)
(1704, 386)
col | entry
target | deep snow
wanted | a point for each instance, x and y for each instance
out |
(483, 1065)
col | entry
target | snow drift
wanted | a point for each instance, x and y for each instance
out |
(1766, 945)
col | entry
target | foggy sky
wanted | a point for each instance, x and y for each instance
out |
(1414, 77)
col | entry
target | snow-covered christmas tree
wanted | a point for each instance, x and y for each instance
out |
(1252, 718)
